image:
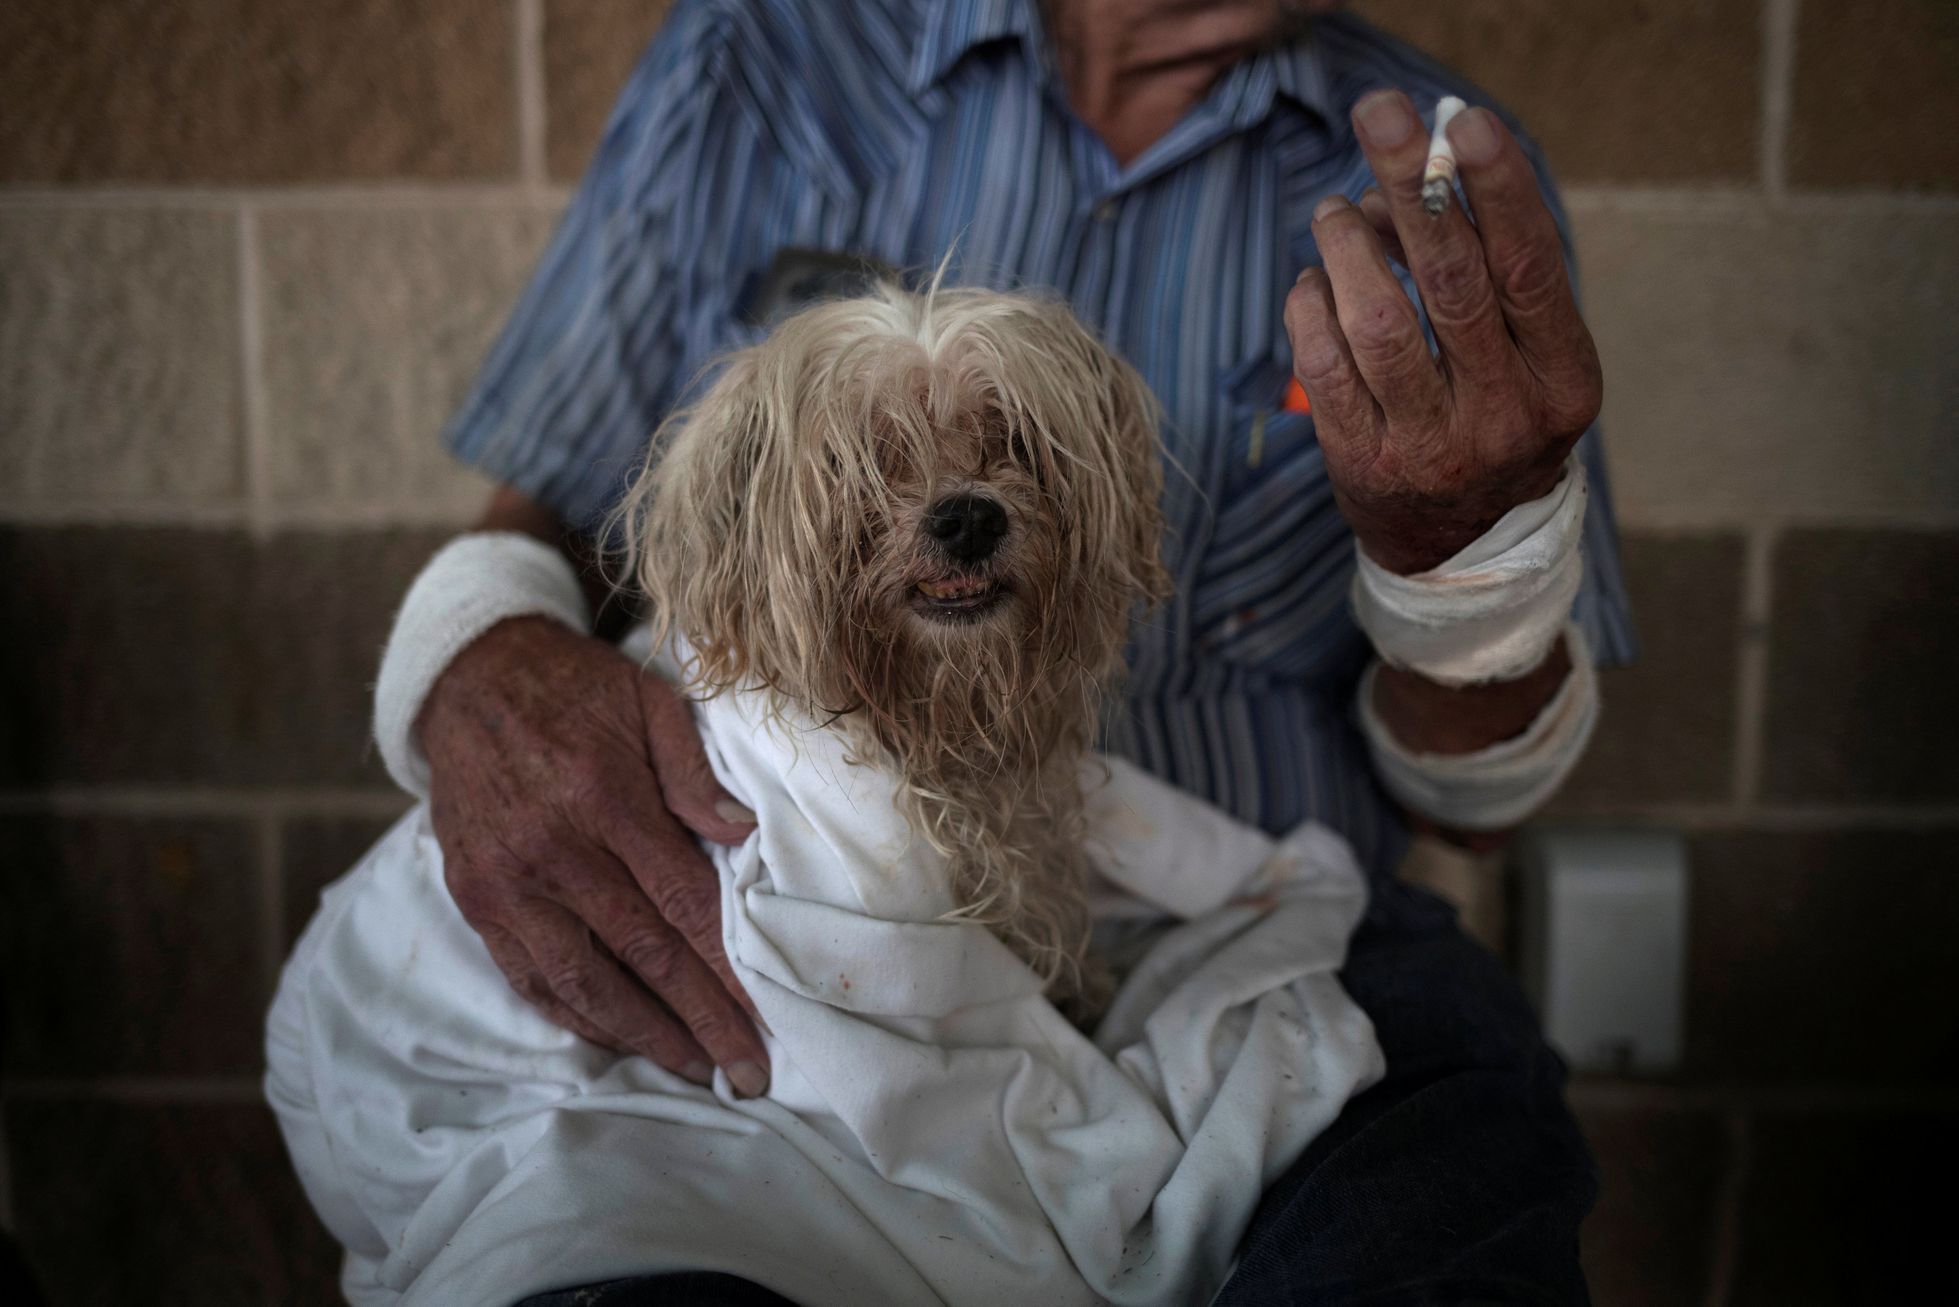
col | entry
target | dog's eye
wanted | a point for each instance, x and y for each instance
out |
(1020, 451)
(1035, 461)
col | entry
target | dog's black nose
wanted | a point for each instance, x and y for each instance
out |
(967, 527)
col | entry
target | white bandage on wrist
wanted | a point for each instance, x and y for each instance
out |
(1497, 787)
(473, 583)
(1491, 612)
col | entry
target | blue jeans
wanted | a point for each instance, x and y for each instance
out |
(1460, 1179)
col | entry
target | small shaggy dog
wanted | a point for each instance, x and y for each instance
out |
(930, 518)
(893, 552)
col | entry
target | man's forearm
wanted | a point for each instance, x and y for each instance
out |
(510, 509)
(1427, 717)
(1431, 718)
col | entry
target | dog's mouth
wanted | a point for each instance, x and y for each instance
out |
(956, 597)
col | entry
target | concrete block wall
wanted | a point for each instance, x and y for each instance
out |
(251, 251)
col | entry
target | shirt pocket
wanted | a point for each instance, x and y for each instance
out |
(1271, 591)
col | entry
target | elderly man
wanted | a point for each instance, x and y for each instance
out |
(1170, 167)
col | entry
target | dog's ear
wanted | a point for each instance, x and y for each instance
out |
(687, 525)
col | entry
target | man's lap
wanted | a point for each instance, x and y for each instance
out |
(672, 1289)
(1460, 1178)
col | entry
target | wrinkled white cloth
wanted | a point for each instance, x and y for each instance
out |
(1491, 612)
(934, 1130)
(472, 583)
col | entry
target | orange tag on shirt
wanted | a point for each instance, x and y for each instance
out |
(1296, 401)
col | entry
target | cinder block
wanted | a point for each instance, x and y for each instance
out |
(1876, 94)
(131, 947)
(1661, 91)
(1649, 1242)
(256, 91)
(1765, 365)
(1667, 723)
(1863, 683)
(119, 355)
(1845, 1208)
(183, 657)
(375, 324)
(1824, 956)
(165, 1203)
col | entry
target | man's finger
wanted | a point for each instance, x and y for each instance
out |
(1374, 207)
(686, 780)
(588, 980)
(514, 960)
(1382, 330)
(1441, 250)
(1522, 251)
(1345, 416)
(676, 875)
(652, 950)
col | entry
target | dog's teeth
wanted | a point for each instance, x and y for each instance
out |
(953, 589)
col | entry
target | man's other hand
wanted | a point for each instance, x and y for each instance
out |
(1426, 453)
(567, 786)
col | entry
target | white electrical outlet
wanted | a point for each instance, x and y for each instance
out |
(1603, 944)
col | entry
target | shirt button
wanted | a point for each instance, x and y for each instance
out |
(1105, 211)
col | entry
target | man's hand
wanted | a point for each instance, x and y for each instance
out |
(1426, 453)
(565, 782)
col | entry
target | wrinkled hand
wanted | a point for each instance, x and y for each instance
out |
(1425, 453)
(565, 785)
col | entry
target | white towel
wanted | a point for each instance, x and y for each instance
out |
(934, 1131)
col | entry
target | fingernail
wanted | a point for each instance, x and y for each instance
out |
(698, 1072)
(1474, 136)
(739, 814)
(1384, 118)
(749, 1080)
(1331, 205)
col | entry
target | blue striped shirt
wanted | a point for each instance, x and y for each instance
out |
(904, 129)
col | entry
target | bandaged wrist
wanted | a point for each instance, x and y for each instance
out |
(1491, 612)
(473, 583)
(1497, 787)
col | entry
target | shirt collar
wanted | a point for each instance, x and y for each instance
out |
(954, 28)
(1299, 74)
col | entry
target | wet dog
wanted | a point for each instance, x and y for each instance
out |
(928, 518)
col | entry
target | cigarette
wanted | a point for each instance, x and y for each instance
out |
(1438, 179)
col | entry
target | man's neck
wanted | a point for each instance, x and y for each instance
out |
(1133, 68)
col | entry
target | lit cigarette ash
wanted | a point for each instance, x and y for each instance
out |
(1438, 179)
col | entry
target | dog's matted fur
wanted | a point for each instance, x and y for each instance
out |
(927, 518)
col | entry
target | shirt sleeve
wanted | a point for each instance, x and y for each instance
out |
(1601, 610)
(589, 362)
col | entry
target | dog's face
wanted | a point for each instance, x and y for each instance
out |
(941, 510)
(928, 519)
(972, 545)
